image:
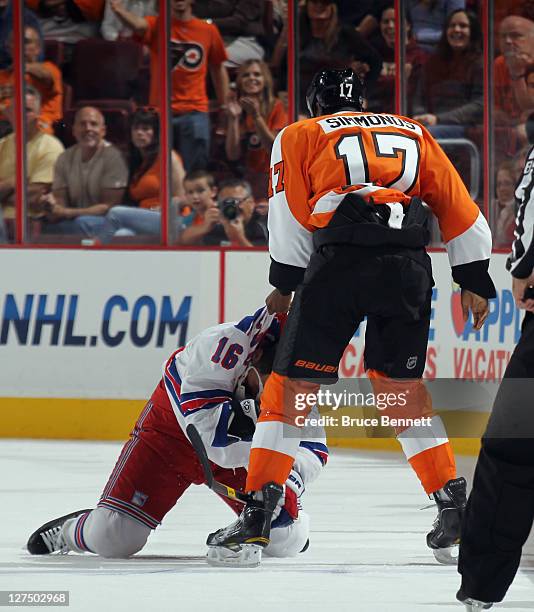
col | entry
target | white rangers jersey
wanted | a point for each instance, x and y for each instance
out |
(521, 260)
(201, 379)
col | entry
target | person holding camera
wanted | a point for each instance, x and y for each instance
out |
(239, 224)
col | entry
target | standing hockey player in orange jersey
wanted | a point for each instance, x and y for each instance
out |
(347, 235)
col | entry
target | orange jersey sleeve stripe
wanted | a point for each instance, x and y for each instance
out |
(473, 244)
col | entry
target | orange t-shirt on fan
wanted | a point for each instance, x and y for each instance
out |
(257, 158)
(144, 188)
(194, 46)
(51, 97)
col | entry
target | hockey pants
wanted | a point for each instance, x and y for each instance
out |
(392, 286)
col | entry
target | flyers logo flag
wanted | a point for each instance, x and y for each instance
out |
(186, 55)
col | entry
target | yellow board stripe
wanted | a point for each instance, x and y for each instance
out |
(460, 446)
(101, 419)
(68, 419)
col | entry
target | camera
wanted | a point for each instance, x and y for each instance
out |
(230, 208)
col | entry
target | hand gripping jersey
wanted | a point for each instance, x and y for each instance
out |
(201, 378)
(384, 159)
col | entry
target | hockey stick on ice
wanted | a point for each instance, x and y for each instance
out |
(217, 487)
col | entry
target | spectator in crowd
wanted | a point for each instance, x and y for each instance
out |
(113, 27)
(44, 76)
(200, 197)
(42, 151)
(255, 116)
(89, 178)
(239, 222)
(326, 43)
(241, 25)
(272, 23)
(278, 50)
(383, 94)
(529, 80)
(196, 47)
(520, 158)
(68, 20)
(143, 216)
(504, 206)
(6, 27)
(428, 19)
(364, 15)
(262, 207)
(511, 95)
(453, 79)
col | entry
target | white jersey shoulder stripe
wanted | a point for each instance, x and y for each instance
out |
(289, 242)
(472, 245)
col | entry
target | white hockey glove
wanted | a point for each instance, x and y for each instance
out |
(243, 419)
(289, 505)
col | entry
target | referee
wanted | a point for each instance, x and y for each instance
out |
(500, 510)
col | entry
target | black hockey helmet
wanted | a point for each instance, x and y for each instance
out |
(333, 90)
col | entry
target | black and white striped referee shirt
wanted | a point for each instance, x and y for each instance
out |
(521, 259)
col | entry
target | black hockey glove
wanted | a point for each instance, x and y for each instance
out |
(243, 419)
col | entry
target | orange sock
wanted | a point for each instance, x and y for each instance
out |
(434, 467)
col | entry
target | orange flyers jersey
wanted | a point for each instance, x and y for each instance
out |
(383, 157)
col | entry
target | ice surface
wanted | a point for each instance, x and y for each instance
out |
(367, 550)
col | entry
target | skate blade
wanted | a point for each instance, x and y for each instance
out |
(249, 555)
(472, 605)
(447, 556)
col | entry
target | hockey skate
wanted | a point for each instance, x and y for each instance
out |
(240, 544)
(472, 605)
(445, 535)
(49, 539)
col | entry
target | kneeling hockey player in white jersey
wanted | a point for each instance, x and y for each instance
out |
(214, 383)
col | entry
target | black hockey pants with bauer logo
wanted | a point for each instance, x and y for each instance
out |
(345, 281)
